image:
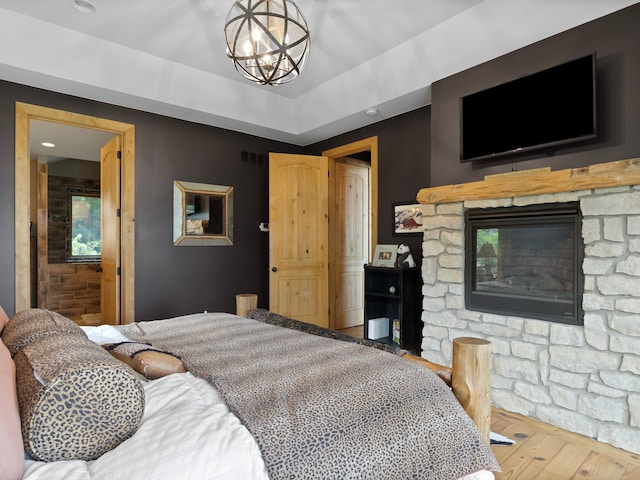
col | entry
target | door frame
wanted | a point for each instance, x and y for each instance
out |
(369, 144)
(26, 112)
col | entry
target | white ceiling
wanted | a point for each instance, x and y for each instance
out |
(168, 57)
(70, 142)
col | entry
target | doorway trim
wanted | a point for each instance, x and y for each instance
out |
(371, 145)
(26, 112)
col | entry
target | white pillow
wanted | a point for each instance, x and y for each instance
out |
(104, 334)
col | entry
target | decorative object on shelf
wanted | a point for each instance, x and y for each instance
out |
(378, 328)
(267, 40)
(395, 331)
(202, 214)
(407, 218)
(385, 256)
(404, 259)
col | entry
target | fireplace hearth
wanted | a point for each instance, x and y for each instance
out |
(525, 261)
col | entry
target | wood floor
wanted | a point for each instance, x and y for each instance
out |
(544, 452)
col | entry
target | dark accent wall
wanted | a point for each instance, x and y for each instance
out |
(169, 280)
(616, 41)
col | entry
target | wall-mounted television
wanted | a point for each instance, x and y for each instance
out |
(546, 109)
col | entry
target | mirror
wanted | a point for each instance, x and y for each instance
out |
(202, 214)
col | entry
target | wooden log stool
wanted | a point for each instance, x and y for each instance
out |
(471, 379)
(245, 302)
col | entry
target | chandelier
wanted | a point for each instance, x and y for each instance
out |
(268, 40)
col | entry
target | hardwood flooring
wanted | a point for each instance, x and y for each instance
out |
(545, 452)
(88, 319)
(356, 331)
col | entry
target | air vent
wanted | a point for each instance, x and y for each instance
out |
(254, 159)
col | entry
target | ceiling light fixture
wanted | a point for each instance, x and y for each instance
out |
(268, 40)
(371, 112)
(84, 6)
(48, 144)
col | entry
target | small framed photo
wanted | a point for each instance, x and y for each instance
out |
(407, 218)
(385, 256)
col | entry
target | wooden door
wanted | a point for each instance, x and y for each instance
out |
(110, 231)
(350, 227)
(299, 237)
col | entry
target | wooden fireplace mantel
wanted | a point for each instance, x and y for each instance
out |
(535, 182)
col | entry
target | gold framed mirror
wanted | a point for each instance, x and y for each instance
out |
(202, 214)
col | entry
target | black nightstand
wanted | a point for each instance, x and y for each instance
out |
(394, 294)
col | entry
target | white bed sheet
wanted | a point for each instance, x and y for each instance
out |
(103, 334)
(187, 433)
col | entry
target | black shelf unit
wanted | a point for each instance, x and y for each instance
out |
(394, 293)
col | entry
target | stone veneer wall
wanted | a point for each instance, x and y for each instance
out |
(585, 379)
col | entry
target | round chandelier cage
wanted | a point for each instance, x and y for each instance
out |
(268, 40)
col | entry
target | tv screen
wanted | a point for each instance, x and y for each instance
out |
(552, 107)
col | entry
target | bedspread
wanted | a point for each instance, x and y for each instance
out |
(320, 408)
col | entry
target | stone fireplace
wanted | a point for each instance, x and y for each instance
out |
(582, 378)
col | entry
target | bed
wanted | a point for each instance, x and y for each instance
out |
(259, 398)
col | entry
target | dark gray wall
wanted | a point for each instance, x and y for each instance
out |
(616, 41)
(169, 280)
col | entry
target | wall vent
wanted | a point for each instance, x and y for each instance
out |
(254, 159)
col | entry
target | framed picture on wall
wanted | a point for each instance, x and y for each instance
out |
(385, 256)
(407, 218)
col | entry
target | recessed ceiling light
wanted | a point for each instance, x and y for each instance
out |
(371, 112)
(84, 6)
(48, 144)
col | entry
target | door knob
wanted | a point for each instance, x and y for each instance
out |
(274, 269)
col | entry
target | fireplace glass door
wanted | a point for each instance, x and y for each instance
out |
(525, 261)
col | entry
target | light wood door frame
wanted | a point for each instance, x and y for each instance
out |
(371, 145)
(24, 114)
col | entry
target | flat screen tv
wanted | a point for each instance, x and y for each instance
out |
(540, 111)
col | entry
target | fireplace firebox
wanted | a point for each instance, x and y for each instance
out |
(525, 261)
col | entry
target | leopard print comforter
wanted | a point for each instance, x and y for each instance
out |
(321, 408)
(267, 316)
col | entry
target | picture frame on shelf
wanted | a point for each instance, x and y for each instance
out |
(385, 256)
(407, 218)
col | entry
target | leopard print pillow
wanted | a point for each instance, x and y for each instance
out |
(76, 401)
(29, 325)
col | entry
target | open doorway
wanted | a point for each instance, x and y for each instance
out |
(67, 212)
(318, 278)
(25, 197)
(354, 227)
